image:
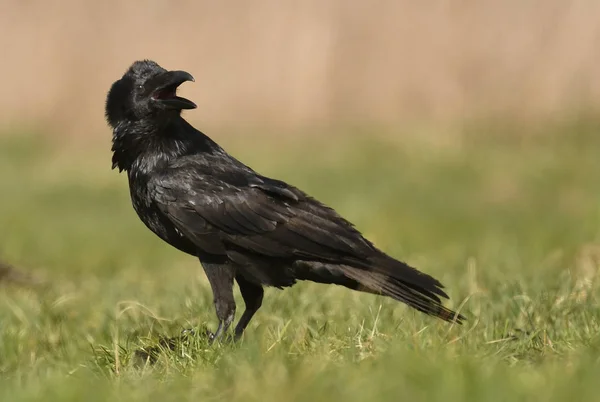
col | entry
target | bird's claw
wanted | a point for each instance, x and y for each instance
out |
(189, 332)
(211, 336)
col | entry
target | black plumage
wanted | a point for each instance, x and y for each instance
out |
(241, 225)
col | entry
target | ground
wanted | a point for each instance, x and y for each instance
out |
(507, 218)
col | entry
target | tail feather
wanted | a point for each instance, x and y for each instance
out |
(403, 272)
(423, 300)
(384, 276)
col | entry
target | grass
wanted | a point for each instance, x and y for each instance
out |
(510, 226)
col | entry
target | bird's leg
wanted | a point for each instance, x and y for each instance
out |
(220, 277)
(253, 296)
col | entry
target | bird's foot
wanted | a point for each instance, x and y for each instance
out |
(191, 332)
(209, 335)
(150, 354)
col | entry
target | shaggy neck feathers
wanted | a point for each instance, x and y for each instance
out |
(146, 145)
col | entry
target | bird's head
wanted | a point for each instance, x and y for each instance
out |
(146, 91)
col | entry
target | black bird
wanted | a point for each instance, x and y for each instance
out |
(241, 225)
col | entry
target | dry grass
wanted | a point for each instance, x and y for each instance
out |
(284, 63)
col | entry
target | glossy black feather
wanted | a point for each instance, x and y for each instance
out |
(200, 199)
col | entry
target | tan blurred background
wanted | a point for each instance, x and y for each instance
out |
(299, 63)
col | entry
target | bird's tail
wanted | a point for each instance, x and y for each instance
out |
(423, 299)
(389, 277)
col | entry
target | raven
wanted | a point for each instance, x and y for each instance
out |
(241, 225)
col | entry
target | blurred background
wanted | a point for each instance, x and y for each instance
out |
(461, 136)
(286, 64)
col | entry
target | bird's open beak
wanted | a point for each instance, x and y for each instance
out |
(165, 91)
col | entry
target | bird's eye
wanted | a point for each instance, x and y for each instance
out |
(140, 87)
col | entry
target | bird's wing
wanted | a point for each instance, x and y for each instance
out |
(260, 215)
(225, 210)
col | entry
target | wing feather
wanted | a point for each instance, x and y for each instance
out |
(221, 211)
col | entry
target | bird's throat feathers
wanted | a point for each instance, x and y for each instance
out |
(145, 146)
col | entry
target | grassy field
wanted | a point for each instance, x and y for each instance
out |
(509, 223)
